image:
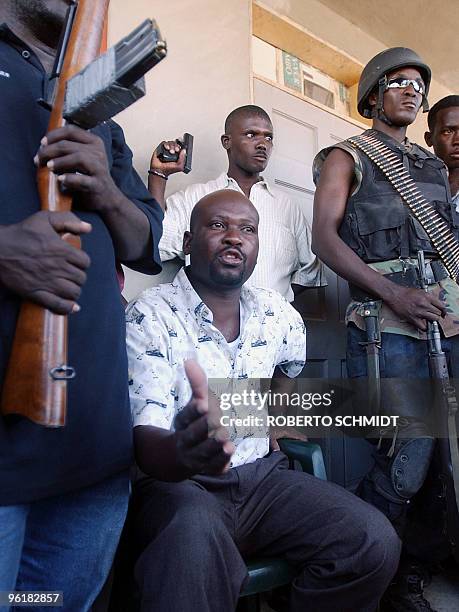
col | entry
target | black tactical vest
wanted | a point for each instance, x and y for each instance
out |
(377, 225)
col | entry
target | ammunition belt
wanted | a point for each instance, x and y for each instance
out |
(433, 224)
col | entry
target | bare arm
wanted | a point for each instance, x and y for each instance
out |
(336, 179)
(156, 183)
(129, 228)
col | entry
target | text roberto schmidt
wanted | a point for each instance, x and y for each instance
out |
(308, 420)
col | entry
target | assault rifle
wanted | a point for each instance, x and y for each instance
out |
(83, 90)
(445, 402)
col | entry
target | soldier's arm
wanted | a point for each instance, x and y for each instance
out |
(333, 191)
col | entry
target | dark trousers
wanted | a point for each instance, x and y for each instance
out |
(405, 360)
(195, 535)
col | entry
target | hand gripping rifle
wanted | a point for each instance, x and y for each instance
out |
(85, 91)
(446, 401)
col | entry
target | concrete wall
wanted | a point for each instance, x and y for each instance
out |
(205, 75)
(324, 23)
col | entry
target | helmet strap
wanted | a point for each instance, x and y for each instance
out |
(378, 110)
(382, 84)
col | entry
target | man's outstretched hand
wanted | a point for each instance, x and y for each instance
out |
(203, 445)
(199, 444)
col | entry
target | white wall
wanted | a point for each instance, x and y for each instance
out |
(205, 75)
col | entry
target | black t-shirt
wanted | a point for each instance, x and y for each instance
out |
(35, 461)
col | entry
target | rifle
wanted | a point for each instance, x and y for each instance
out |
(35, 384)
(444, 398)
(369, 311)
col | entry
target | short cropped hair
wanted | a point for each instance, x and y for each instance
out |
(247, 110)
(447, 102)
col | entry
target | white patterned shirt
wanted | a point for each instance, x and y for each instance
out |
(170, 323)
(285, 254)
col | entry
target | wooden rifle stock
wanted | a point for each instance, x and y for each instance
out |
(35, 384)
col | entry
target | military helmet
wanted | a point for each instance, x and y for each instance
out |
(383, 63)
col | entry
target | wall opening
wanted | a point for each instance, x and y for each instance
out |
(286, 54)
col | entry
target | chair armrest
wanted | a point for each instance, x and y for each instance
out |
(308, 455)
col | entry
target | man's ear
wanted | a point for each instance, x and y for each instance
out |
(226, 141)
(428, 139)
(186, 247)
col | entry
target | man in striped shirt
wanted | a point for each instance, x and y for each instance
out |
(285, 262)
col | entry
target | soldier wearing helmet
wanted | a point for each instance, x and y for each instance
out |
(377, 74)
(365, 232)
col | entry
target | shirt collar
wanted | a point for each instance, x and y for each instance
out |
(192, 302)
(268, 187)
(189, 299)
(227, 181)
(7, 34)
(10, 37)
(4, 29)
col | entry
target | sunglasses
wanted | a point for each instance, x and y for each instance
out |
(402, 83)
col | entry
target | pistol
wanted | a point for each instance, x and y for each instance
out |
(185, 143)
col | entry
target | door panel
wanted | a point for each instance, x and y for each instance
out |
(301, 130)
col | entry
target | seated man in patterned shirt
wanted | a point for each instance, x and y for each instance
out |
(205, 502)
